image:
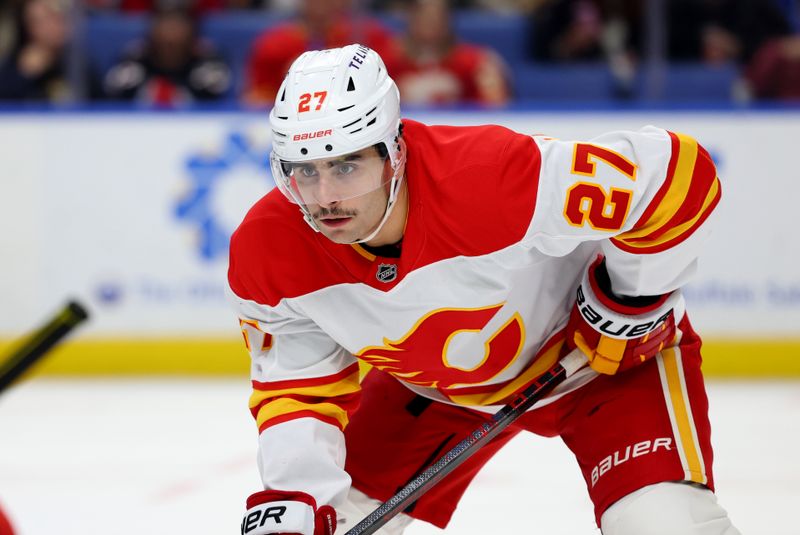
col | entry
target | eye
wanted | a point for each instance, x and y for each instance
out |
(345, 168)
(305, 171)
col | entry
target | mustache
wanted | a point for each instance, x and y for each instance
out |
(335, 212)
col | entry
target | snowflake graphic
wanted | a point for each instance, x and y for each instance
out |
(237, 176)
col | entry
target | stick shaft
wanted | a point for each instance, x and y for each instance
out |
(464, 449)
(40, 342)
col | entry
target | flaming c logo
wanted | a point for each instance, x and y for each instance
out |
(421, 355)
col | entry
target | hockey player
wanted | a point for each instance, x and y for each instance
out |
(461, 263)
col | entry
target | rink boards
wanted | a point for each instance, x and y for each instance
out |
(131, 213)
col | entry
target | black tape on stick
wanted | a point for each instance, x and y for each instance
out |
(39, 342)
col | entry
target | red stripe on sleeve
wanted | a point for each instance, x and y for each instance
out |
(302, 383)
(703, 176)
(677, 239)
(299, 414)
(662, 191)
(348, 402)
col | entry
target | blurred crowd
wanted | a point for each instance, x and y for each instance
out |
(44, 55)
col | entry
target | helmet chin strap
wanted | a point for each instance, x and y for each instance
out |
(393, 193)
(308, 218)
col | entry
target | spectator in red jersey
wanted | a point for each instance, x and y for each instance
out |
(431, 66)
(774, 72)
(319, 24)
(171, 67)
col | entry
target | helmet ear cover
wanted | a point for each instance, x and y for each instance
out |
(383, 152)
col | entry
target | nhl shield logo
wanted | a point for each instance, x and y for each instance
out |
(386, 272)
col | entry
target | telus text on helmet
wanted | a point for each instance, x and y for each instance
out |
(311, 135)
(359, 57)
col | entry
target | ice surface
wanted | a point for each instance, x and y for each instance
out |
(123, 456)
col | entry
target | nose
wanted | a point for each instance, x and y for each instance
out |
(326, 192)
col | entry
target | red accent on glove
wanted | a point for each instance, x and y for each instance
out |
(324, 516)
(617, 337)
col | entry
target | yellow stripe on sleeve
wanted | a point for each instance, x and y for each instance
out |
(348, 385)
(678, 229)
(672, 200)
(283, 406)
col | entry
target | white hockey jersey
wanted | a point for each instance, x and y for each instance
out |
(500, 228)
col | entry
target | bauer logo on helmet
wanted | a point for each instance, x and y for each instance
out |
(311, 135)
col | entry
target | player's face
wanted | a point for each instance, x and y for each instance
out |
(347, 195)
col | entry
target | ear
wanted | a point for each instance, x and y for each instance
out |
(403, 153)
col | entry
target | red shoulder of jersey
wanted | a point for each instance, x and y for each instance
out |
(478, 185)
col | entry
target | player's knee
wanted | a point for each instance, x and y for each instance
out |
(666, 509)
(357, 506)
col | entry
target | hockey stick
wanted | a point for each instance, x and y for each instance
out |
(464, 449)
(40, 342)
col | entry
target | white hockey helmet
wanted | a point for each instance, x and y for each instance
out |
(332, 103)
